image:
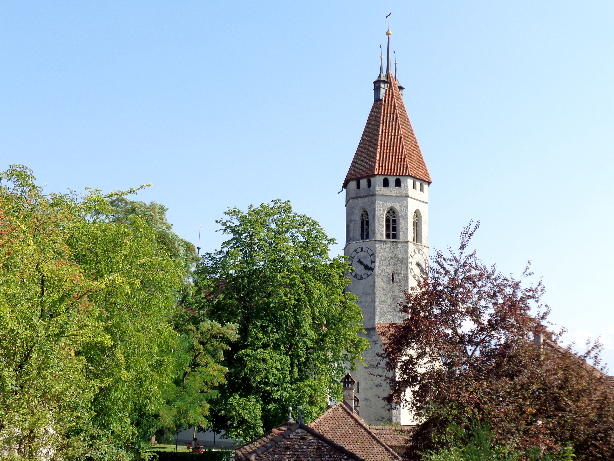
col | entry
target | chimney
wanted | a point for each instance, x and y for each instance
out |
(349, 398)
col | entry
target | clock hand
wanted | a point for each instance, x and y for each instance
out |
(366, 266)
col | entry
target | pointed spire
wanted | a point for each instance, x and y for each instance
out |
(395, 64)
(388, 33)
(388, 145)
(381, 84)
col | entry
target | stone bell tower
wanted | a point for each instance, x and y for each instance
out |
(386, 232)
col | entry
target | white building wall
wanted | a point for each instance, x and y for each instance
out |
(380, 293)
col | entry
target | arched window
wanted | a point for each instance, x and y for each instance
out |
(386, 182)
(358, 184)
(397, 182)
(417, 227)
(391, 224)
(369, 183)
(364, 225)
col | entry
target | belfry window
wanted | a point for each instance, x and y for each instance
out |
(369, 183)
(358, 184)
(364, 225)
(397, 182)
(386, 182)
(391, 224)
(417, 227)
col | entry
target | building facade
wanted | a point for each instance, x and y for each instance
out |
(386, 232)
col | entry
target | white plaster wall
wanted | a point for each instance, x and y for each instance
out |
(373, 387)
(378, 295)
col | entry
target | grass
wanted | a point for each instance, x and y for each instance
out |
(167, 453)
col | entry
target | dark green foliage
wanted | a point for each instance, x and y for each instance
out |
(475, 442)
(297, 327)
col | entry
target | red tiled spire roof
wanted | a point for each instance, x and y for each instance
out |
(388, 145)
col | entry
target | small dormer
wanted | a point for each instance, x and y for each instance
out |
(379, 88)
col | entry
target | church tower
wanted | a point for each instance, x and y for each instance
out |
(386, 232)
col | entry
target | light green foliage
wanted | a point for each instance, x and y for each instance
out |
(91, 339)
(297, 326)
(46, 319)
(154, 214)
(197, 359)
(138, 285)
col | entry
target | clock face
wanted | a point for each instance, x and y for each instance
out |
(362, 260)
(418, 264)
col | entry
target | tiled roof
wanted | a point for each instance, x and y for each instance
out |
(347, 429)
(295, 442)
(599, 374)
(388, 145)
(399, 438)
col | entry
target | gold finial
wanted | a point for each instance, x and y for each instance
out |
(388, 33)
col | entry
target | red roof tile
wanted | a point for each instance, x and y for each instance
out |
(399, 438)
(388, 145)
(608, 381)
(347, 429)
(295, 442)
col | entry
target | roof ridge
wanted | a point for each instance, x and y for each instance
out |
(369, 431)
(398, 101)
(391, 93)
(361, 422)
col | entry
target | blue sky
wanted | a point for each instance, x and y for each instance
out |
(222, 104)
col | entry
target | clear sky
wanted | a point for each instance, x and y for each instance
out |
(223, 104)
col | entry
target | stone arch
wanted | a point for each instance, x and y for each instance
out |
(364, 225)
(417, 227)
(392, 231)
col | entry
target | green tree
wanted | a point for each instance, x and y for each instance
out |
(475, 442)
(202, 341)
(199, 373)
(93, 345)
(297, 327)
(139, 284)
(46, 321)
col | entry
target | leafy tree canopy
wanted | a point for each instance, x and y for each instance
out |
(467, 351)
(90, 347)
(297, 327)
